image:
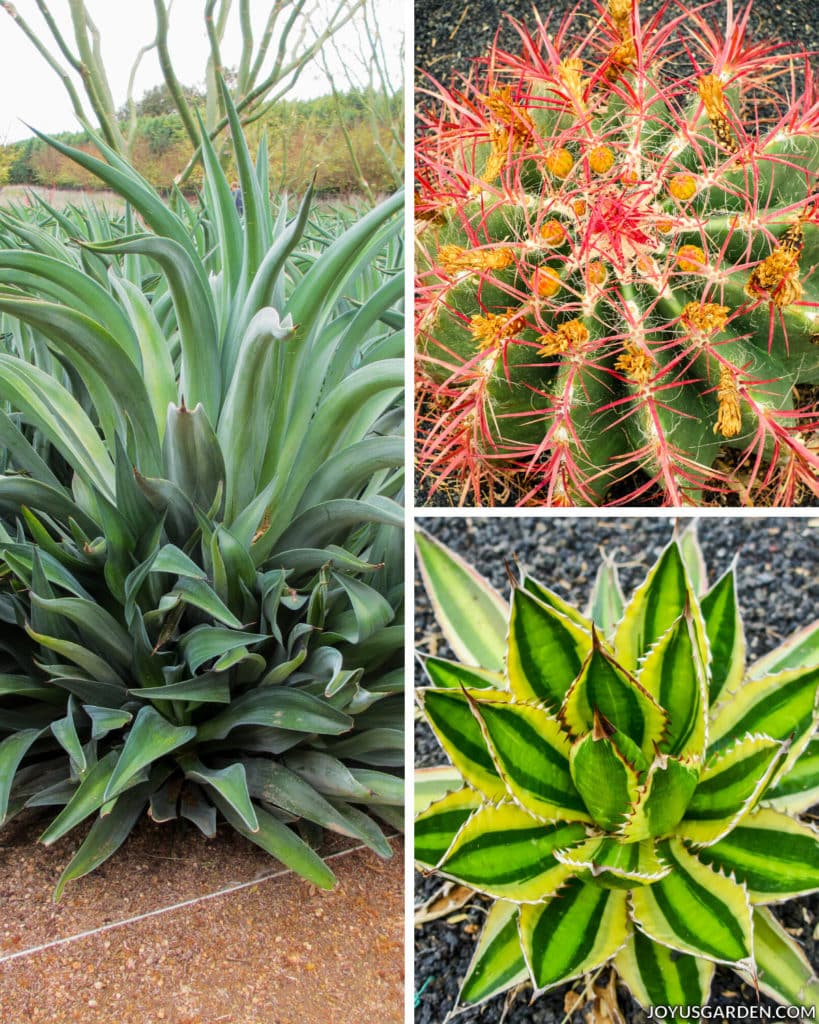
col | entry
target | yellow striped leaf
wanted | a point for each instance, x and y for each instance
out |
(663, 799)
(773, 855)
(659, 976)
(783, 972)
(593, 759)
(497, 963)
(797, 788)
(505, 852)
(726, 636)
(531, 754)
(572, 932)
(546, 651)
(438, 825)
(459, 733)
(445, 674)
(633, 863)
(695, 909)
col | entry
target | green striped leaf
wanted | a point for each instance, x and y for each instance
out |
(459, 733)
(445, 674)
(691, 552)
(798, 789)
(726, 636)
(781, 706)
(437, 826)
(505, 852)
(783, 971)
(695, 909)
(658, 601)
(572, 932)
(150, 738)
(673, 674)
(659, 976)
(497, 963)
(663, 799)
(609, 859)
(546, 651)
(595, 757)
(555, 601)
(604, 689)
(775, 856)
(471, 613)
(729, 787)
(531, 755)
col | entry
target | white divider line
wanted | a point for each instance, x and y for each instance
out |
(176, 906)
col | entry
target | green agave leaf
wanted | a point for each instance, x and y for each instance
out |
(531, 755)
(277, 785)
(659, 976)
(451, 675)
(694, 909)
(192, 455)
(20, 559)
(54, 410)
(729, 787)
(497, 963)
(798, 789)
(546, 651)
(505, 852)
(229, 782)
(459, 733)
(572, 932)
(200, 594)
(87, 798)
(726, 637)
(604, 689)
(22, 455)
(371, 611)
(203, 643)
(278, 707)
(105, 720)
(361, 824)
(782, 969)
(781, 706)
(108, 833)
(773, 855)
(471, 613)
(438, 824)
(663, 799)
(674, 676)
(282, 843)
(614, 862)
(595, 757)
(325, 523)
(345, 473)
(169, 558)
(659, 600)
(12, 751)
(65, 733)
(97, 667)
(150, 738)
(433, 784)
(95, 623)
(209, 688)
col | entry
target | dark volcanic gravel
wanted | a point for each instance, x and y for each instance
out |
(778, 593)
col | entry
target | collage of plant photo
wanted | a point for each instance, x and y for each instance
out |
(531, 740)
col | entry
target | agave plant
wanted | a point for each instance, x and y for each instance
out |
(200, 521)
(626, 788)
(617, 249)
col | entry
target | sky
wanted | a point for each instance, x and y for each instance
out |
(30, 91)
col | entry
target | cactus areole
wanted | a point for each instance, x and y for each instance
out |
(618, 238)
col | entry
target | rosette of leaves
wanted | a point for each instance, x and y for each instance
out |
(622, 783)
(200, 521)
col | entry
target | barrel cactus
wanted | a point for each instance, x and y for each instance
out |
(617, 243)
(623, 784)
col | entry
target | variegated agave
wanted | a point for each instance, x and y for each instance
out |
(622, 783)
(200, 524)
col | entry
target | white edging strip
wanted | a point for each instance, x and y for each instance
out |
(176, 906)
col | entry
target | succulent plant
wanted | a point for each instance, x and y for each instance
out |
(200, 530)
(618, 236)
(626, 788)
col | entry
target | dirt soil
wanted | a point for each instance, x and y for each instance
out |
(276, 951)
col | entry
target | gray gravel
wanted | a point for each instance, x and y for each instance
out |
(778, 593)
